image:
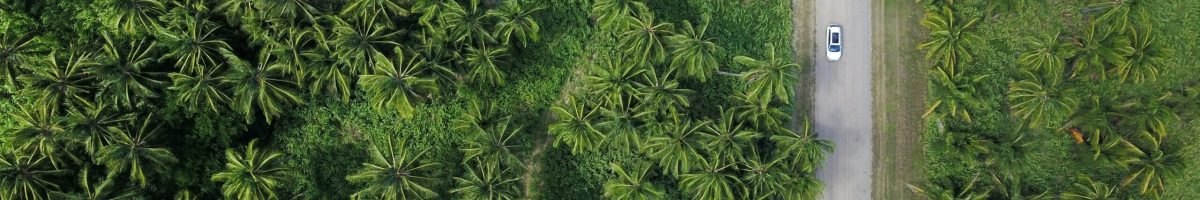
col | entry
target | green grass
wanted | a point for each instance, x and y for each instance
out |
(899, 96)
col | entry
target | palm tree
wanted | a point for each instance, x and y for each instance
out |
(235, 10)
(945, 189)
(772, 178)
(951, 40)
(123, 79)
(952, 95)
(393, 173)
(758, 112)
(328, 74)
(485, 64)
(677, 149)
(574, 126)
(610, 13)
(514, 22)
(203, 91)
(25, 176)
(131, 151)
(430, 10)
(396, 83)
(620, 125)
(1153, 164)
(15, 51)
(1040, 100)
(1111, 148)
(612, 79)
(495, 145)
(60, 84)
(970, 148)
(643, 40)
(194, 49)
(288, 46)
(260, 87)
(694, 54)
(486, 181)
(288, 10)
(1146, 59)
(631, 184)
(1049, 55)
(662, 94)
(1148, 115)
(369, 11)
(726, 141)
(806, 151)
(480, 117)
(1085, 188)
(431, 44)
(1118, 12)
(1099, 48)
(803, 186)
(102, 191)
(357, 45)
(1010, 187)
(252, 175)
(711, 182)
(466, 25)
(132, 16)
(764, 177)
(770, 78)
(38, 130)
(92, 126)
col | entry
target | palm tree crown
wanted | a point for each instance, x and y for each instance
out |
(254, 174)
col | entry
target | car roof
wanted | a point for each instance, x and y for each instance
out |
(835, 27)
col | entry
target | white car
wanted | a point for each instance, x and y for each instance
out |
(833, 50)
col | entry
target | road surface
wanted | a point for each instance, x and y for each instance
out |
(842, 99)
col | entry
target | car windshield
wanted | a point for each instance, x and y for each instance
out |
(835, 48)
(836, 38)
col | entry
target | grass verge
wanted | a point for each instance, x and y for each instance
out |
(899, 94)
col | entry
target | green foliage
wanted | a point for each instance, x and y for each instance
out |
(485, 64)
(677, 149)
(487, 181)
(694, 54)
(515, 22)
(237, 69)
(397, 83)
(951, 39)
(26, 176)
(770, 77)
(644, 40)
(574, 127)
(131, 151)
(393, 173)
(262, 87)
(1096, 76)
(631, 184)
(255, 174)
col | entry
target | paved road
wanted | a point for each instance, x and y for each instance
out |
(842, 106)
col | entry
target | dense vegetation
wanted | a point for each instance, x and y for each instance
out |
(379, 99)
(1061, 99)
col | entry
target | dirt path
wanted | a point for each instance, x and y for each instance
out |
(534, 165)
(842, 97)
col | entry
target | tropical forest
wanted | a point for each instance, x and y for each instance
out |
(1056, 99)
(599, 99)
(401, 99)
